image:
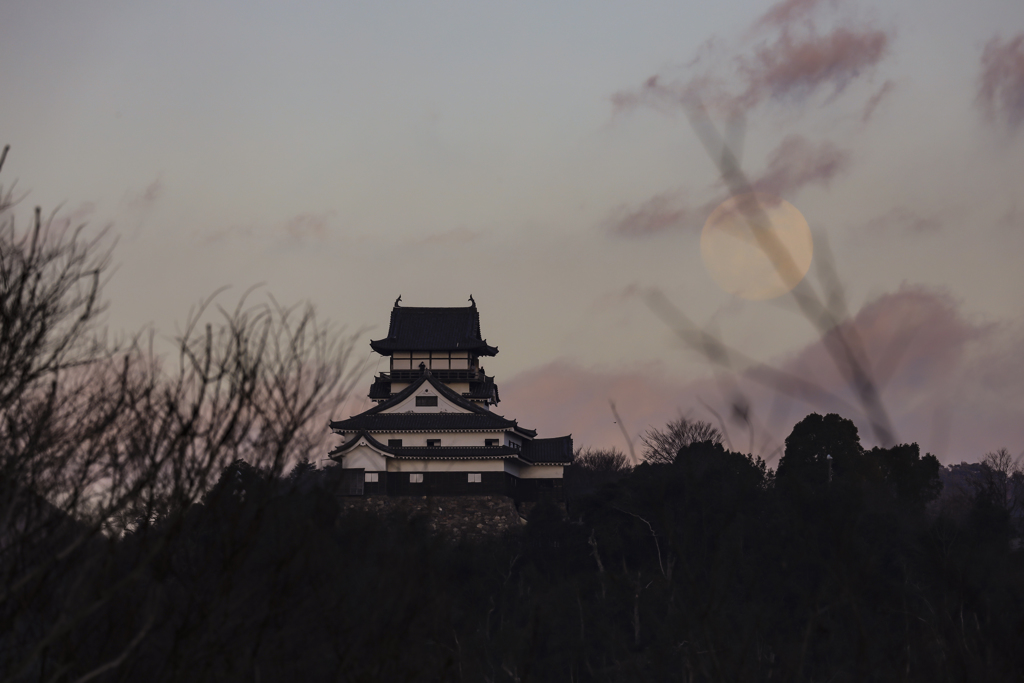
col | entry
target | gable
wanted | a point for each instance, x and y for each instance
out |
(426, 394)
(364, 458)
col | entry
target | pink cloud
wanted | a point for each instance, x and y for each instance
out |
(662, 212)
(1001, 83)
(953, 385)
(787, 12)
(797, 68)
(796, 64)
(797, 162)
(791, 166)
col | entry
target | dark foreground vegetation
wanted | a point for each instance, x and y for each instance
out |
(704, 569)
(152, 529)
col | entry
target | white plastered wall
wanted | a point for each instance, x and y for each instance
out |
(447, 438)
(540, 472)
(443, 404)
(445, 465)
(364, 457)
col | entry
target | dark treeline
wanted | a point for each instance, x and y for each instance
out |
(151, 529)
(707, 568)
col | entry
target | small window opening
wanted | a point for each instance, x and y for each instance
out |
(394, 443)
(416, 478)
(422, 401)
(474, 477)
(433, 443)
(490, 442)
(371, 478)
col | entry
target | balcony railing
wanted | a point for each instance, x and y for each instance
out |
(443, 375)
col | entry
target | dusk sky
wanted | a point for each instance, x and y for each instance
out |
(539, 157)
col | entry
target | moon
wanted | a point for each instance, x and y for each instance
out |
(756, 246)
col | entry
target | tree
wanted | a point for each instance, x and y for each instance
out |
(593, 468)
(913, 478)
(810, 445)
(100, 440)
(661, 446)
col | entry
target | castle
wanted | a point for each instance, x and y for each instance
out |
(432, 432)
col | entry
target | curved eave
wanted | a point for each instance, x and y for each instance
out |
(429, 452)
(422, 431)
(356, 438)
(386, 347)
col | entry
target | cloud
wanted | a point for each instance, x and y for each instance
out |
(1001, 82)
(950, 383)
(902, 219)
(794, 164)
(561, 397)
(662, 212)
(876, 99)
(787, 12)
(798, 162)
(795, 62)
(796, 68)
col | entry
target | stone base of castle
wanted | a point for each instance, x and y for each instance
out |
(455, 516)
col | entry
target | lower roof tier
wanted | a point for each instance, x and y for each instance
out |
(553, 451)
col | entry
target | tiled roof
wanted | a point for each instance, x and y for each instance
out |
(428, 452)
(441, 388)
(477, 418)
(454, 452)
(423, 422)
(554, 451)
(557, 451)
(486, 390)
(380, 388)
(434, 329)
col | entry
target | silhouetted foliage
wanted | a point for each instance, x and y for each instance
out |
(593, 468)
(915, 478)
(660, 446)
(148, 531)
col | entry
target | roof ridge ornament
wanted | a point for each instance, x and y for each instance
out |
(470, 300)
(397, 304)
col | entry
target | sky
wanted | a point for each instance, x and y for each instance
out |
(544, 158)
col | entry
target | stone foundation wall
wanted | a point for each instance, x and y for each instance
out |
(458, 516)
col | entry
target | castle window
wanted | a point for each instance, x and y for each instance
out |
(433, 443)
(422, 401)
(416, 478)
(394, 443)
(474, 477)
(370, 478)
(490, 442)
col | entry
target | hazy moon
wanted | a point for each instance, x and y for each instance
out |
(756, 246)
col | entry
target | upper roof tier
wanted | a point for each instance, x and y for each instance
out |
(434, 329)
(380, 418)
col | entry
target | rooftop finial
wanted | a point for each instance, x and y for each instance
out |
(397, 300)
(471, 300)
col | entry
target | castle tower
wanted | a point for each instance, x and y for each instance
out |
(432, 431)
